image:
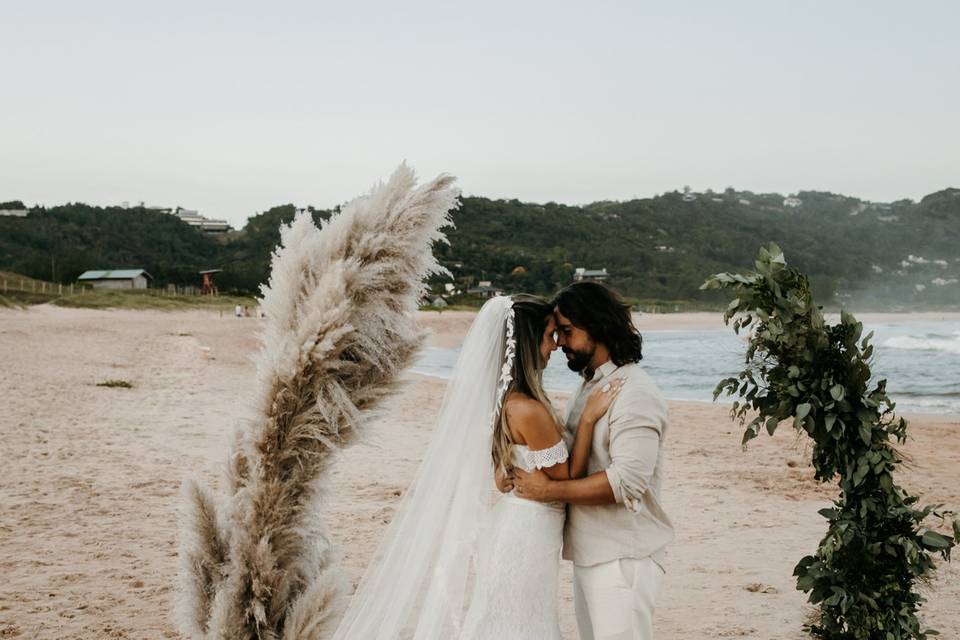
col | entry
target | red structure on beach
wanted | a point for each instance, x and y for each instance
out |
(209, 288)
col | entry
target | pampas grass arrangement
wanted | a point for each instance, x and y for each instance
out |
(339, 327)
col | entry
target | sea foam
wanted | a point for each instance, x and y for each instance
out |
(943, 344)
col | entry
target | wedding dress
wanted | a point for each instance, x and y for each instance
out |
(518, 561)
(449, 543)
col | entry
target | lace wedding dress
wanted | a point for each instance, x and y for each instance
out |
(447, 544)
(518, 560)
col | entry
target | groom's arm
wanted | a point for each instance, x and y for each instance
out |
(593, 489)
(624, 481)
(635, 430)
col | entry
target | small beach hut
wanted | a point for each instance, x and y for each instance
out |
(117, 279)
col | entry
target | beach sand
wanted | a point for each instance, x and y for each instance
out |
(91, 476)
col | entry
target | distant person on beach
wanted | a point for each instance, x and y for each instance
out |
(238, 311)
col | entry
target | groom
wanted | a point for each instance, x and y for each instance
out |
(616, 530)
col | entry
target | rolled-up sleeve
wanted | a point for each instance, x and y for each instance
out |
(634, 448)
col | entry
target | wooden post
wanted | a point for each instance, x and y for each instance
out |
(60, 289)
(71, 288)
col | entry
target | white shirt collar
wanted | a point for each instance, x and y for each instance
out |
(604, 370)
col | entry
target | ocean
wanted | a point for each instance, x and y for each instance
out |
(920, 360)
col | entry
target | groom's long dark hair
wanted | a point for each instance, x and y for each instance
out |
(602, 313)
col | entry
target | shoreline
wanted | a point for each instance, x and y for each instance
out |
(910, 416)
(690, 320)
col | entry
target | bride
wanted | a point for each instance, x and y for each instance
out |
(454, 539)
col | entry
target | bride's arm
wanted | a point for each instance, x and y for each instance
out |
(532, 425)
(597, 405)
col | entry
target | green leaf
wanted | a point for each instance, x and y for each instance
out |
(802, 410)
(771, 425)
(829, 421)
(860, 474)
(837, 392)
(805, 583)
(934, 540)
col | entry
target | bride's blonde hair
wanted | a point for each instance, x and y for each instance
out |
(530, 317)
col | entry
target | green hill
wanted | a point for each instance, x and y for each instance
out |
(859, 253)
(60, 243)
(663, 247)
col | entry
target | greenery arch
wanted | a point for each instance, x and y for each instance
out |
(877, 547)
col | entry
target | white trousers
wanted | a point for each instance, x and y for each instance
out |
(615, 600)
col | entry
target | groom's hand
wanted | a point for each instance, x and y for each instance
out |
(533, 486)
(504, 483)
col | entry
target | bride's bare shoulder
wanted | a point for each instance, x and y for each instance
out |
(525, 414)
(520, 403)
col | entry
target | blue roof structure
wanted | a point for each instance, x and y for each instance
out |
(115, 274)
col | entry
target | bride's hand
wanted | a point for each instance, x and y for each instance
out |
(600, 400)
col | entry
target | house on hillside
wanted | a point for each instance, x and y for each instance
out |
(14, 213)
(117, 279)
(792, 202)
(591, 275)
(485, 291)
(208, 225)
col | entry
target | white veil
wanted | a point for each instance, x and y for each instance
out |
(417, 584)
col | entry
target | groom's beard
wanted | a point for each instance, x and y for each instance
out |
(580, 359)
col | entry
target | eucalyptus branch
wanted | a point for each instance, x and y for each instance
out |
(798, 368)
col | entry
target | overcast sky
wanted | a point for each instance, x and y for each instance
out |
(233, 107)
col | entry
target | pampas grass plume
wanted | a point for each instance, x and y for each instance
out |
(339, 327)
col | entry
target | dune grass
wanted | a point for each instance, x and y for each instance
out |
(18, 291)
(20, 299)
(149, 299)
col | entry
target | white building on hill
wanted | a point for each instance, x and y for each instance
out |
(208, 225)
(193, 218)
(592, 275)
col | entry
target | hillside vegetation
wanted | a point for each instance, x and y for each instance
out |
(658, 249)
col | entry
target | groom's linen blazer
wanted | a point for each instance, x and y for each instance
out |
(628, 445)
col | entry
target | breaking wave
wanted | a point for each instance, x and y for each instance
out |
(930, 342)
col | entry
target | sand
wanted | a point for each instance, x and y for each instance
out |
(91, 476)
